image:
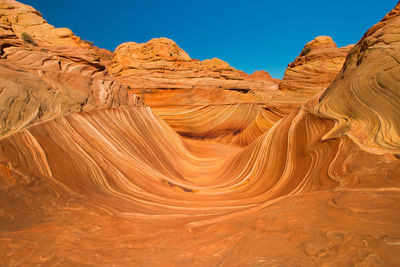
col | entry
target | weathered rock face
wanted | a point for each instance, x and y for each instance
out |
(165, 75)
(199, 99)
(157, 54)
(133, 181)
(364, 97)
(260, 75)
(108, 182)
(40, 79)
(17, 19)
(312, 71)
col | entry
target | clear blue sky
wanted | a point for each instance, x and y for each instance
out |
(250, 35)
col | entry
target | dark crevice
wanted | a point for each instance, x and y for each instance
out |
(3, 46)
(245, 91)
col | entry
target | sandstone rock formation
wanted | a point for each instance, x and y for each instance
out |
(200, 99)
(42, 80)
(260, 75)
(312, 71)
(164, 74)
(111, 183)
(17, 18)
(363, 98)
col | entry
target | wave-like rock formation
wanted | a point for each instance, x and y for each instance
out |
(227, 180)
(200, 99)
(163, 74)
(364, 97)
(39, 79)
(312, 71)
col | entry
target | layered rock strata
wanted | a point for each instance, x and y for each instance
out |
(50, 73)
(312, 71)
(199, 99)
(164, 74)
(112, 183)
(363, 99)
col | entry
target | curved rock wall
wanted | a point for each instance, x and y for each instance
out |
(363, 99)
(219, 176)
(312, 71)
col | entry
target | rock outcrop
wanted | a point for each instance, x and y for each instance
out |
(260, 75)
(363, 99)
(90, 177)
(312, 71)
(199, 99)
(19, 21)
(164, 74)
(49, 74)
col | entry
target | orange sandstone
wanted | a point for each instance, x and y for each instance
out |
(89, 175)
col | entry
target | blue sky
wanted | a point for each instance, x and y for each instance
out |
(250, 35)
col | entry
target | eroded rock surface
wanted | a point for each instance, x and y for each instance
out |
(364, 97)
(51, 75)
(89, 176)
(164, 74)
(312, 71)
(199, 99)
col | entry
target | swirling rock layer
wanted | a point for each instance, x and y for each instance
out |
(127, 168)
(93, 177)
(175, 85)
(364, 97)
(163, 74)
(40, 79)
(312, 71)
